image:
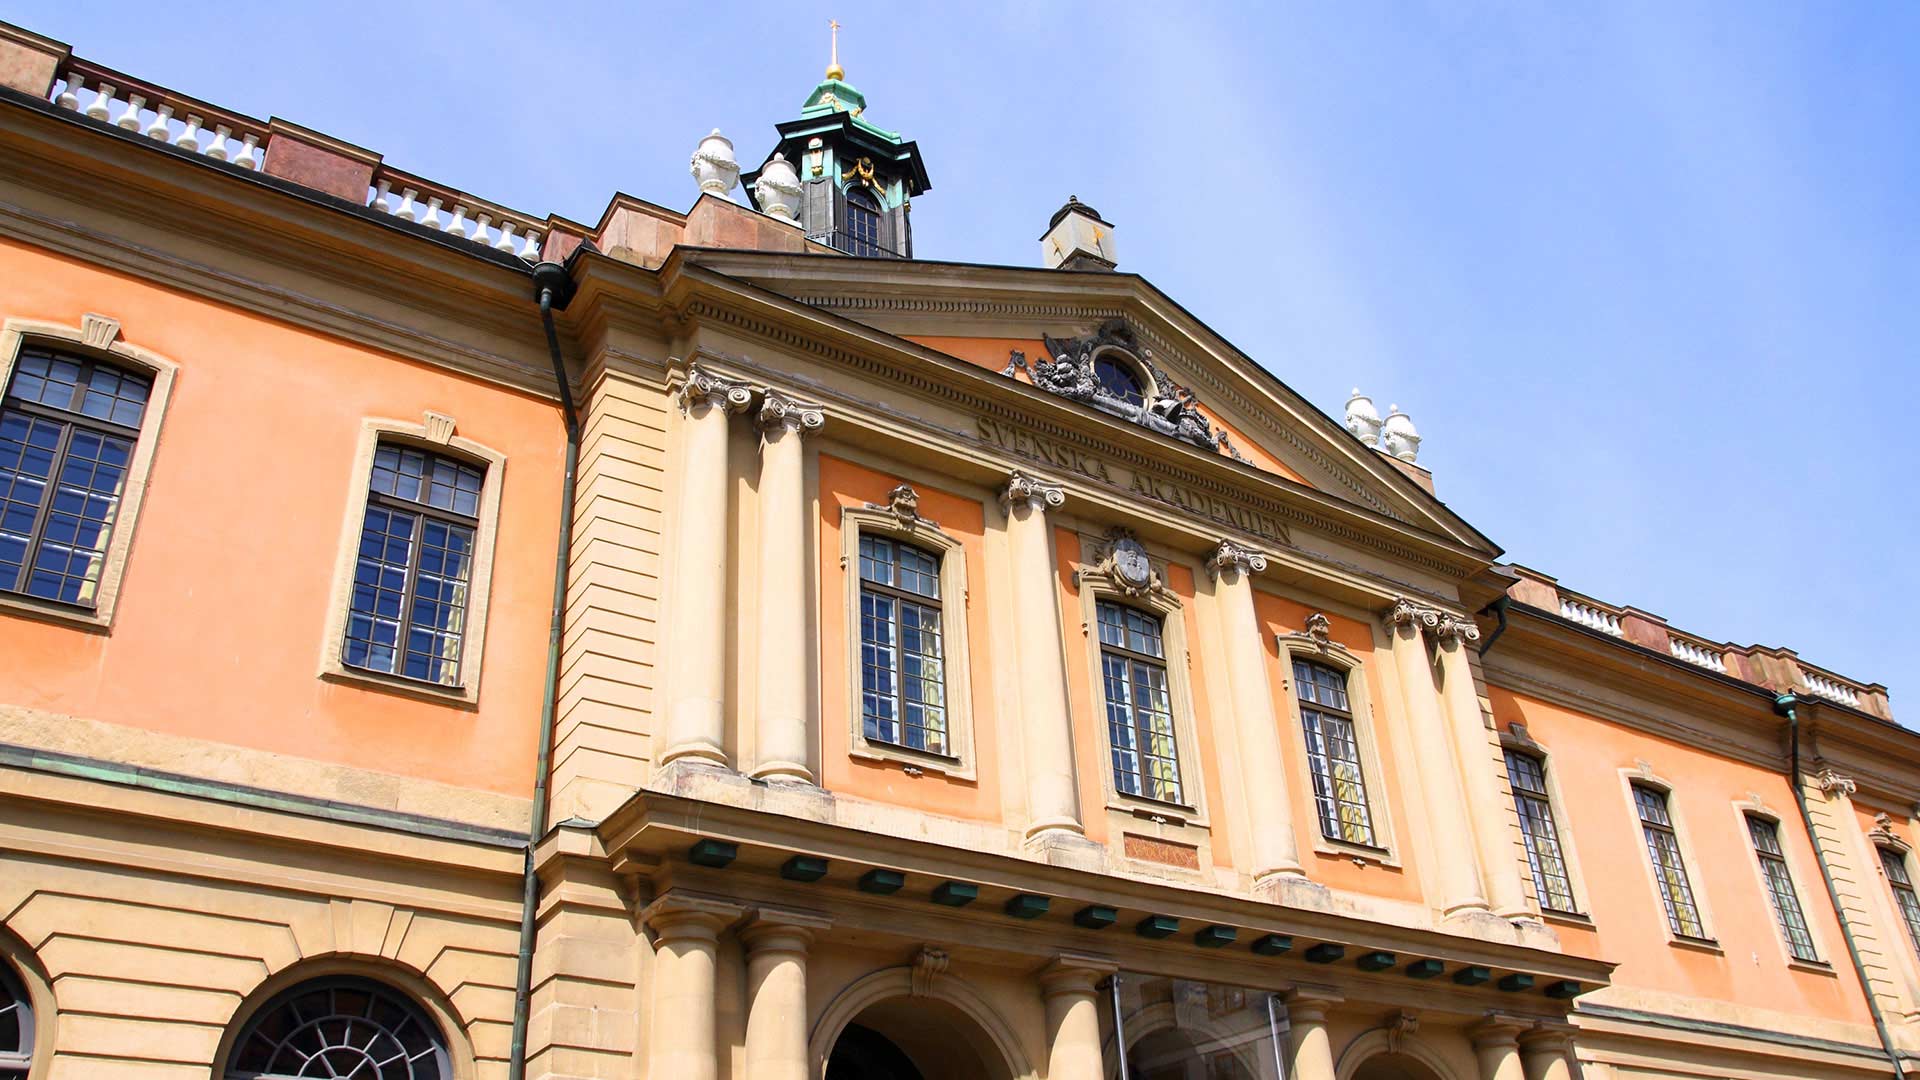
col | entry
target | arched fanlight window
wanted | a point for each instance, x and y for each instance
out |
(1118, 378)
(340, 1027)
(16, 1026)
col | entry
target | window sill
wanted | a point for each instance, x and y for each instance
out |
(456, 696)
(1567, 918)
(1705, 945)
(53, 611)
(1814, 967)
(1153, 811)
(1364, 853)
(923, 762)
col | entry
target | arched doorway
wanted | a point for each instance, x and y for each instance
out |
(1395, 1067)
(914, 1038)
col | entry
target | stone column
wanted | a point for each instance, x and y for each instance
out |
(1275, 851)
(695, 724)
(1052, 794)
(1312, 1049)
(1072, 989)
(684, 1043)
(1496, 1042)
(1499, 858)
(782, 742)
(1543, 1052)
(777, 994)
(1448, 818)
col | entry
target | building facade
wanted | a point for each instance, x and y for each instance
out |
(851, 665)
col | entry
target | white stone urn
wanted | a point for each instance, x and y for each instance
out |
(1362, 418)
(778, 189)
(1399, 437)
(714, 167)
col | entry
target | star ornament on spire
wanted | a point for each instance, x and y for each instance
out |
(834, 70)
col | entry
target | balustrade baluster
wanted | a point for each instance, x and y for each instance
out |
(130, 120)
(218, 151)
(102, 105)
(69, 96)
(505, 243)
(162, 123)
(190, 135)
(458, 226)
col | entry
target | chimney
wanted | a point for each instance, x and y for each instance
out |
(1077, 239)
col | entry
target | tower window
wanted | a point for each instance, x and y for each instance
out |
(862, 235)
(1133, 668)
(1333, 754)
(1119, 380)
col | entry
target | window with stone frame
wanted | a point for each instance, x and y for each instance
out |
(903, 687)
(1894, 863)
(1139, 701)
(407, 615)
(1765, 833)
(1552, 884)
(68, 427)
(1669, 868)
(340, 1027)
(1333, 754)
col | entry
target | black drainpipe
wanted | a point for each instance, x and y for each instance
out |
(1499, 609)
(553, 286)
(1784, 705)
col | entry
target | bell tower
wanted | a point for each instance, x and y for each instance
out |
(849, 182)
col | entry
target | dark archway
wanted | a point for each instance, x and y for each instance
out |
(914, 1038)
(1172, 1054)
(1394, 1067)
(864, 1054)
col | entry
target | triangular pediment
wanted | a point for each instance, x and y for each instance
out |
(1052, 329)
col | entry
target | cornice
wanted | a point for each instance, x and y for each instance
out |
(136, 207)
(705, 295)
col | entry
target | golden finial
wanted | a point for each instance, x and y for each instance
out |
(834, 70)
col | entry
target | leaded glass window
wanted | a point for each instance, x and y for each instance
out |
(1118, 379)
(1786, 902)
(1527, 776)
(863, 223)
(903, 686)
(1669, 869)
(341, 1028)
(16, 1026)
(1333, 753)
(1133, 670)
(408, 614)
(1895, 865)
(68, 425)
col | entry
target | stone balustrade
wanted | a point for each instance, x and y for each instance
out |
(1698, 653)
(1590, 615)
(412, 198)
(133, 105)
(1826, 686)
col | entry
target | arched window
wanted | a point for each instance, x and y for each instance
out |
(863, 223)
(340, 1027)
(1118, 378)
(16, 1026)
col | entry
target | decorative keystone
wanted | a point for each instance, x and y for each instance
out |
(1472, 976)
(955, 893)
(714, 853)
(1215, 937)
(1325, 953)
(1271, 944)
(1028, 906)
(881, 882)
(1376, 961)
(1157, 926)
(1095, 917)
(1425, 969)
(804, 868)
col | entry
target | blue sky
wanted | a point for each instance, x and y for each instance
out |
(1647, 276)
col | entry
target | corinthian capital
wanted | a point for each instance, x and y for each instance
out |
(1037, 494)
(1231, 556)
(703, 387)
(1456, 628)
(1405, 612)
(778, 411)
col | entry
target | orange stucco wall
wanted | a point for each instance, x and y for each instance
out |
(991, 353)
(842, 485)
(225, 599)
(1586, 758)
(1278, 615)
